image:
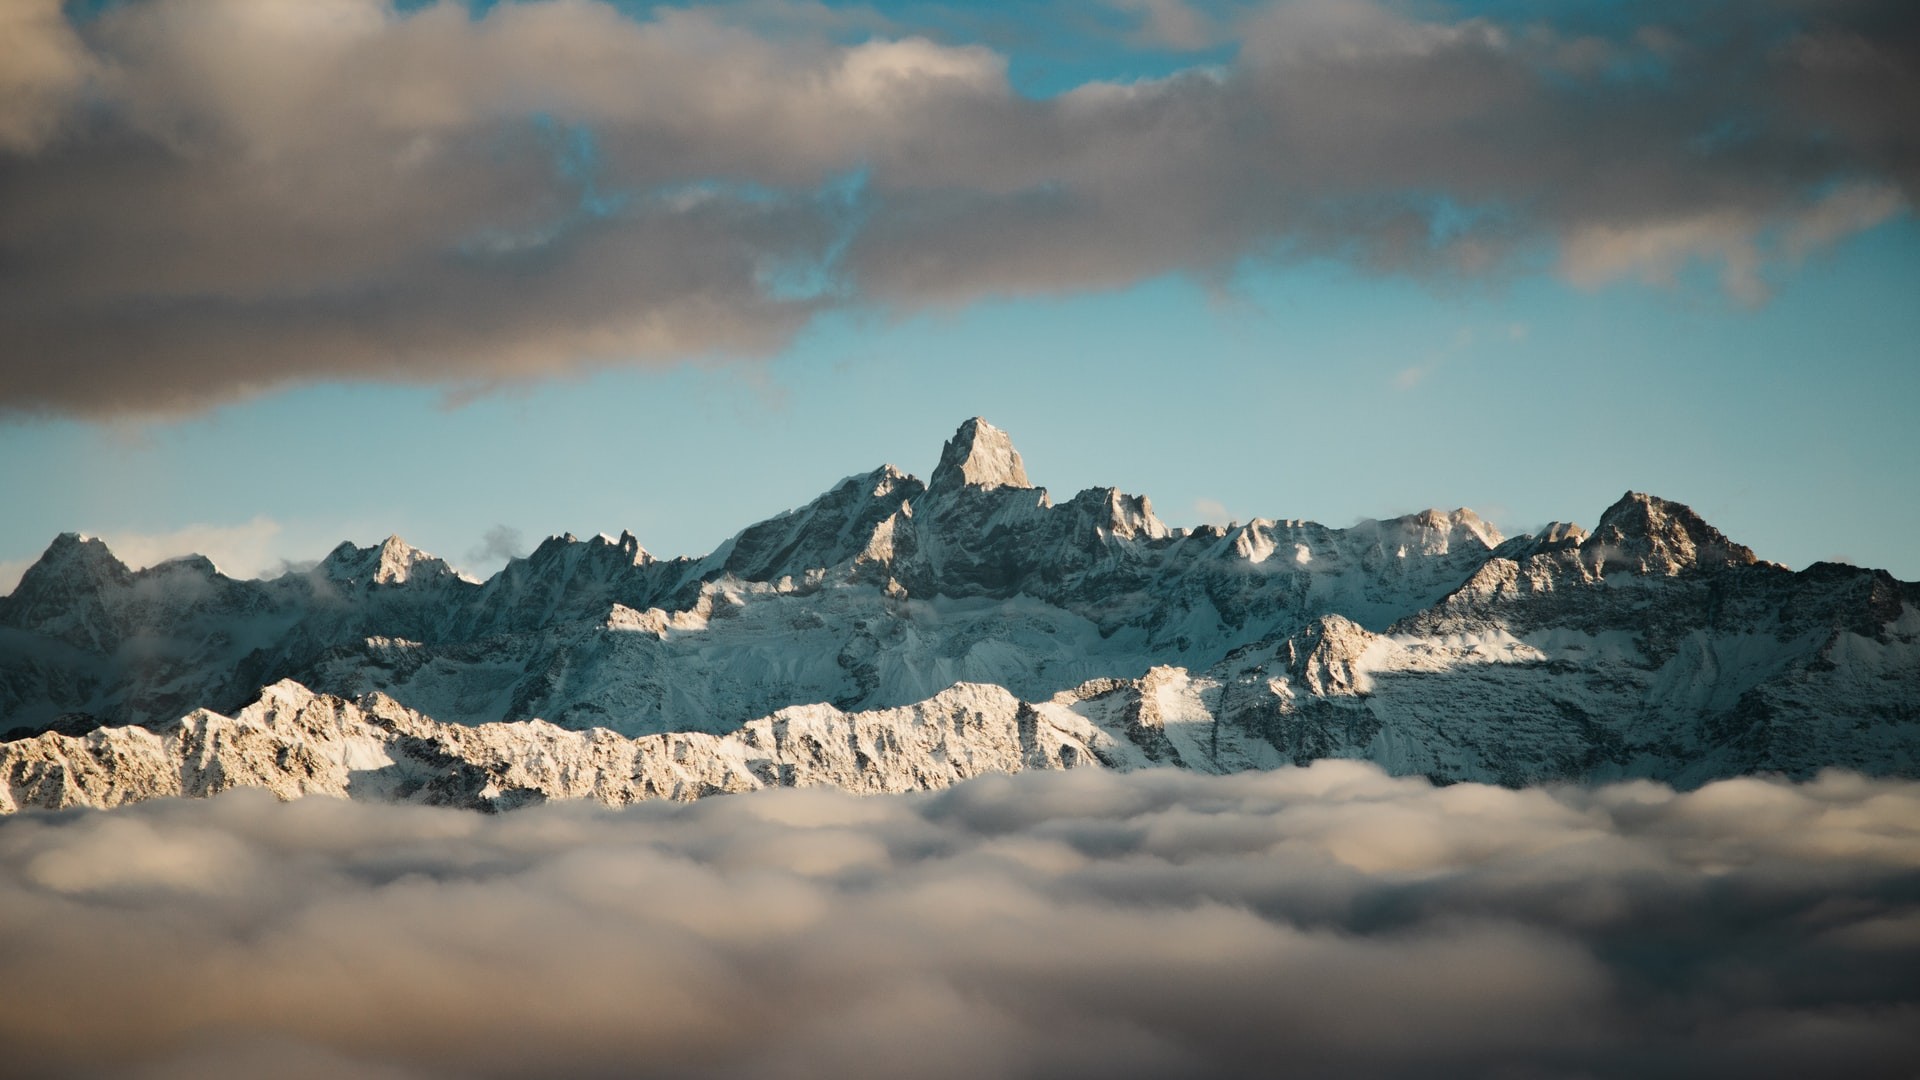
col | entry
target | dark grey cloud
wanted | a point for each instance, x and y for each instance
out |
(1319, 921)
(205, 199)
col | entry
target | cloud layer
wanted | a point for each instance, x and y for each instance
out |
(1314, 921)
(205, 199)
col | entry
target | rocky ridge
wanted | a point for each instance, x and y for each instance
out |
(294, 743)
(1652, 646)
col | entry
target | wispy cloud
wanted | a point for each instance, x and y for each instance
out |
(502, 542)
(1210, 511)
(1409, 377)
(206, 199)
(1078, 924)
(10, 572)
(249, 549)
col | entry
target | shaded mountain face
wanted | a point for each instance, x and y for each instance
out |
(1652, 646)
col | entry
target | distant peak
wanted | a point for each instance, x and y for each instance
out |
(888, 480)
(392, 562)
(1647, 534)
(1553, 536)
(627, 544)
(191, 564)
(74, 556)
(1561, 533)
(1437, 532)
(979, 455)
(77, 547)
(1464, 521)
(397, 560)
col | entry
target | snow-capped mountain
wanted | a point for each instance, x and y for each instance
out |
(893, 635)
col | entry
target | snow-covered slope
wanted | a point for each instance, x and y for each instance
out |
(1654, 646)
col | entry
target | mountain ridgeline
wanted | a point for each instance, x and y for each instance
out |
(894, 635)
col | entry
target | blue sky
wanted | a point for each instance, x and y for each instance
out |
(1260, 309)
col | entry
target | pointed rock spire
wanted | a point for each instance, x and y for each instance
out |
(979, 455)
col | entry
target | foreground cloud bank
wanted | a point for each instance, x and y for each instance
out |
(1308, 921)
(204, 199)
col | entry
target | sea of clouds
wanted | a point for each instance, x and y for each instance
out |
(1329, 920)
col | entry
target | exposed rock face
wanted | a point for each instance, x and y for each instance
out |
(392, 562)
(826, 643)
(1643, 534)
(296, 743)
(63, 595)
(1326, 658)
(824, 532)
(979, 455)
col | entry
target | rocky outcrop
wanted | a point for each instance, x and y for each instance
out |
(1326, 658)
(1643, 534)
(296, 743)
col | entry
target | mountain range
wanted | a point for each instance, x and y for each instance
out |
(898, 635)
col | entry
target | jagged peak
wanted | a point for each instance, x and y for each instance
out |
(1558, 533)
(285, 692)
(1120, 514)
(1435, 532)
(74, 555)
(886, 480)
(627, 544)
(1637, 513)
(551, 547)
(1552, 537)
(344, 552)
(562, 553)
(391, 562)
(836, 526)
(397, 560)
(979, 455)
(1461, 521)
(196, 564)
(1645, 534)
(79, 548)
(1133, 516)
